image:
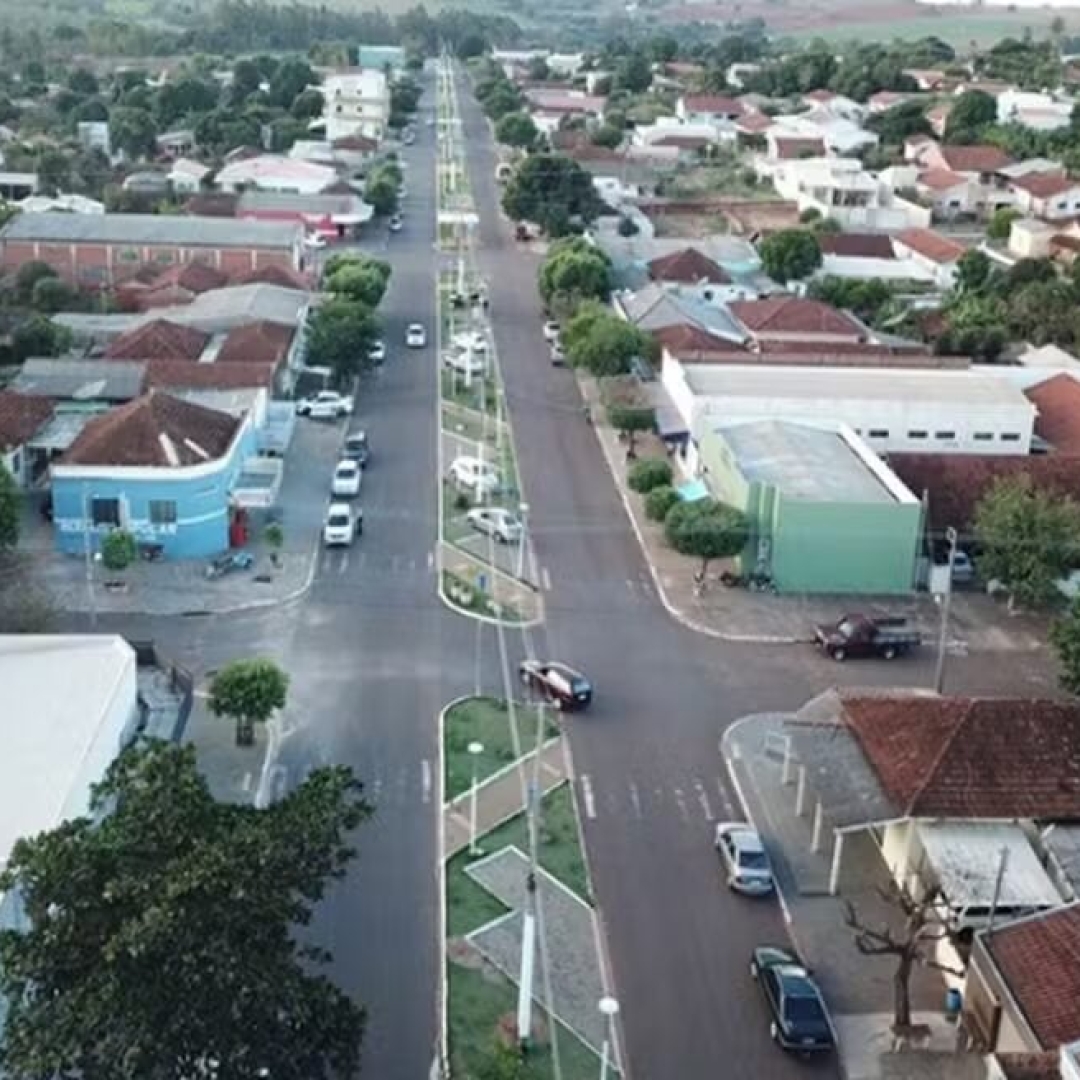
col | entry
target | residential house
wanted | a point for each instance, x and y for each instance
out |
(180, 283)
(841, 133)
(836, 104)
(938, 255)
(1047, 197)
(1031, 239)
(187, 175)
(980, 164)
(22, 416)
(884, 100)
(94, 135)
(356, 102)
(1038, 111)
(864, 256)
(148, 183)
(948, 194)
(166, 470)
(273, 172)
(782, 320)
(938, 117)
(783, 145)
(565, 103)
(177, 143)
(1057, 399)
(658, 306)
(690, 272)
(381, 58)
(17, 185)
(825, 514)
(333, 216)
(709, 109)
(159, 339)
(66, 204)
(100, 250)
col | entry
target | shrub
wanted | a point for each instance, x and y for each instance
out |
(648, 474)
(118, 550)
(659, 501)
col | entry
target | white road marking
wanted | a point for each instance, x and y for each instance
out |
(703, 798)
(635, 799)
(630, 584)
(546, 578)
(587, 796)
(431, 560)
(425, 780)
(344, 564)
(725, 798)
(376, 787)
(681, 801)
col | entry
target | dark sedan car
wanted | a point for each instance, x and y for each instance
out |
(564, 687)
(799, 1020)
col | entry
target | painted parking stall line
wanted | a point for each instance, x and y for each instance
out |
(588, 798)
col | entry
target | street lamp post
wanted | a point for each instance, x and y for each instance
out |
(475, 750)
(523, 510)
(946, 603)
(609, 1007)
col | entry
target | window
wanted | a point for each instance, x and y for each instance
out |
(916, 434)
(878, 433)
(945, 435)
(128, 254)
(105, 512)
(1010, 436)
(162, 511)
(983, 436)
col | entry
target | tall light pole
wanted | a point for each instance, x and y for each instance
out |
(523, 510)
(609, 1008)
(475, 750)
(946, 603)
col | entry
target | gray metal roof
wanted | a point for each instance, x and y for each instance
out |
(57, 227)
(236, 305)
(803, 462)
(81, 380)
(334, 205)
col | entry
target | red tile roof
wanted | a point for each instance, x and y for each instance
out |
(154, 430)
(931, 245)
(194, 277)
(789, 148)
(1045, 1066)
(1039, 959)
(273, 274)
(359, 143)
(21, 415)
(940, 179)
(258, 342)
(819, 95)
(971, 757)
(159, 340)
(794, 315)
(856, 245)
(980, 159)
(754, 123)
(716, 104)
(212, 204)
(683, 340)
(191, 375)
(1045, 185)
(1058, 402)
(683, 142)
(688, 266)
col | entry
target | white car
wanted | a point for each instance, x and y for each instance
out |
(396, 223)
(325, 405)
(474, 475)
(377, 352)
(342, 525)
(558, 354)
(465, 362)
(415, 336)
(745, 860)
(492, 521)
(348, 476)
(551, 330)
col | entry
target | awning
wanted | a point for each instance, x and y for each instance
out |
(692, 491)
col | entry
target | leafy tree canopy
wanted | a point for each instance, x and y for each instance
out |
(518, 130)
(360, 278)
(341, 334)
(790, 254)
(602, 343)
(575, 270)
(553, 191)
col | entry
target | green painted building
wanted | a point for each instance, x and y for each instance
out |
(826, 514)
(379, 57)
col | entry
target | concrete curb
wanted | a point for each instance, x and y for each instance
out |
(672, 609)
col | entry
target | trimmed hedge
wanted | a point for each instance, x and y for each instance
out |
(659, 501)
(648, 474)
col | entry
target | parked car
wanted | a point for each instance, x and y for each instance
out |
(564, 687)
(472, 474)
(342, 525)
(325, 405)
(798, 1018)
(377, 352)
(496, 522)
(357, 448)
(415, 336)
(746, 863)
(558, 355)
(963, 569)
(396, 223)
(860, 635)
(347, 479)
(465, 362)
(551, 331)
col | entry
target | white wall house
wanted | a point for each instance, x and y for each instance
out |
(356, 103)
(274, 172)
(893, 410)
(1047, 197)
(1039, 111)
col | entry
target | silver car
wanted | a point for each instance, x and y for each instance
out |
(746, 862)
(495, 522)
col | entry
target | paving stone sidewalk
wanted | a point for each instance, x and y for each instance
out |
(502, 796)
(977, 622)
(568, 957)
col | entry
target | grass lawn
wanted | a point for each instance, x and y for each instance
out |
(485, 720)
(469, 425)
(480, 602)
(479, 999)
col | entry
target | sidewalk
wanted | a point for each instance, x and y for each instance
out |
(977, 623)
(502, 796)
(181, 587)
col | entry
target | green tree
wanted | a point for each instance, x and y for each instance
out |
(607, 135)
(51, 295)
(118, 550)
(290, 79)
(628, 410)
(249, 692)
(181, 98)
(10, 503)
(659, 501)
(648, 474)
(381, 191)
(160, 930)
(707, 530)
(1065, 637)
(132, 131)
(83, 82)
(53, 168)
(1000, 224)
(307, 105)
(517, 129)
(972, 270)
(364, 280)
(972, 111)
(341, 334)
(1029, 537)
(790, 255)
(633, 73)
(27, 277)
(900, 122)
(599, 341)
(38, 336)
(575, 270)
(552, 191)
(246, 78)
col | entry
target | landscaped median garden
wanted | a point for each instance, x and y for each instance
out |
(485, 894)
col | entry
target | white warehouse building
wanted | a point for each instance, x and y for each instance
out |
(929, 411)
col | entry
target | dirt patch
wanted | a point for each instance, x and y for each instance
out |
(460, 952)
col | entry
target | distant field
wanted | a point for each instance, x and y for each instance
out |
(957, 29)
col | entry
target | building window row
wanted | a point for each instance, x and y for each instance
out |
(917, 434)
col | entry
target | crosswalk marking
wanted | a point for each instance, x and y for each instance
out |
(425, 781)
(703, 800)
(696, 798)
(588, 798)
(635, 800)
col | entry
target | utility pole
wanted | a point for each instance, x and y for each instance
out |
(946, 604)
(88, 557)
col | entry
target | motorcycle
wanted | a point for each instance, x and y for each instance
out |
(233, 560)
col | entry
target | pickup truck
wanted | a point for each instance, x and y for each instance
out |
(860, 635)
